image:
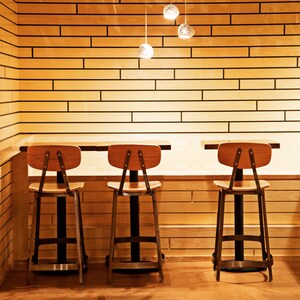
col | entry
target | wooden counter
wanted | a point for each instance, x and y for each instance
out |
(187, 200)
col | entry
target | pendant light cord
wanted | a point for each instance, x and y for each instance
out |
(185, 12)
(146, 24)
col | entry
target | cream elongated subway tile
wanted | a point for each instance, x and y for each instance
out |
(251, 94)
(262, 73)
(152, 96)
(280, 7)
(163, 106)
(39, 30)
(104, 85)
(293, 115)
(48, 96)
(147, 74)
(292, 29)
(221, 52)
(195, 63)
(57, 117)
(83, 30)
(257, 84)
(287, 83)
(203, 84)
(125, 128)
(42, 106)
(69, 74)
(156, 117)
(50, 63)
(275, 51)
(199, 74)
(280, 18)
(50, 8)
(265, 127)
(279, 105)
(248, 30)
(232, 116)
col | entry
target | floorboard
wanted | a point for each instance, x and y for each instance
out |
(184, 279)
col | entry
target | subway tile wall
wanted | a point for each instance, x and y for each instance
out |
(6, 221)
(9, 126)
(79, 69)
(9, 106)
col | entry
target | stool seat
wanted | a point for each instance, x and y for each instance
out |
(56, 188)
(59, 158)
(134, 187)
(241, 186)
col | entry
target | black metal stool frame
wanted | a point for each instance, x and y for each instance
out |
(61, 190)
(234, 187)
(134, 189)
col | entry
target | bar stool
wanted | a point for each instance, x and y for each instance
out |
(59, 158)
(242, 156)
(134, 158)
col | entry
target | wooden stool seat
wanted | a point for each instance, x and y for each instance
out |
(56, 188)
(135, 187)
(242, 186)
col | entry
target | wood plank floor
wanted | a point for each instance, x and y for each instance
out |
(184, 279)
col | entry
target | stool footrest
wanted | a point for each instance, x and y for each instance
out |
(246, 264)
(135, 265)
(46, 241)
(135, 239)
(55, 267)
(242, 237)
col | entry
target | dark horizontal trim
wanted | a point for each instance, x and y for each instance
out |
(104, 147)
(212, 145)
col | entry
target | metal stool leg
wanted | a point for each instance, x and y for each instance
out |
(112, 236)
(157, 235)
(220, 234)
(35, 257)
(269, 257)
(261, 227)
(32, 238)
(214, 259)
(85, 257)
(78, 237)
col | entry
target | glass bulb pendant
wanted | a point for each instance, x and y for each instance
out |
(171, 12)
(146, 51)
(185, 31)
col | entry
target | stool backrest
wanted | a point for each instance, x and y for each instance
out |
(227, 154)
(244, 156)
(117, 156)
(57, 158)
(36, 156)
(134, 158)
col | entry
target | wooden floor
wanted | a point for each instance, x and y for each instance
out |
(184, 279)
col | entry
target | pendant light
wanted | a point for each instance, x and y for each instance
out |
(185, 31)
(146, 50)
(171, 12)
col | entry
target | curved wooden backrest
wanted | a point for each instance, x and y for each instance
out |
(227, 153)
(36, 156)
(117, 154)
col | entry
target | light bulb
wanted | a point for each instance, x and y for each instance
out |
(146, 51)
(185, 31)
(171, 12)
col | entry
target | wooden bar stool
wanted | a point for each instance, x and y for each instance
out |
(134, 158)
(242, 156)
(59, 158)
